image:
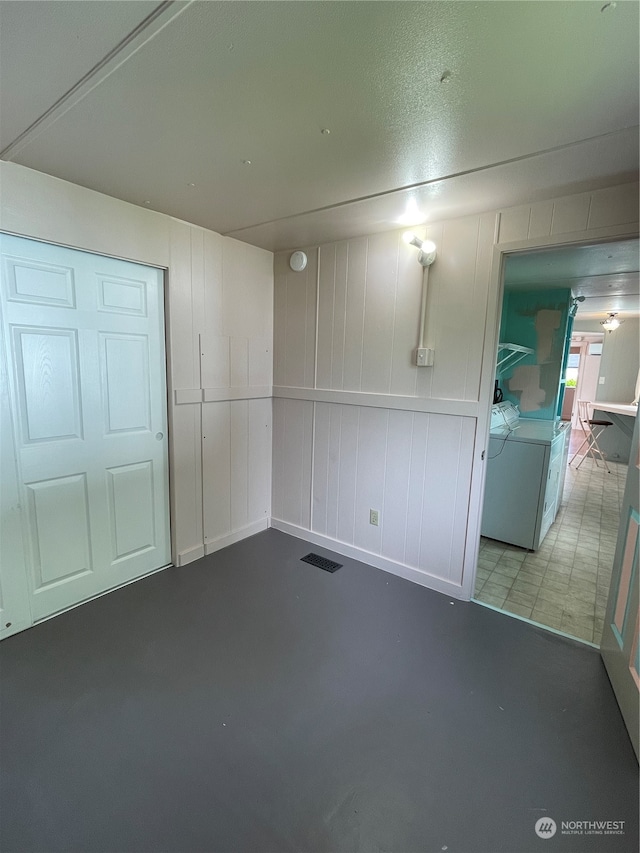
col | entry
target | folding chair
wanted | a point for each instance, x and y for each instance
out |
(592, 430)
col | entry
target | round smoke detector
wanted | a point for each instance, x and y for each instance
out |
(298, 261)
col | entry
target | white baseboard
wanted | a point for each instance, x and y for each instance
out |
(407, 572)
(236, 536)
(191, 554)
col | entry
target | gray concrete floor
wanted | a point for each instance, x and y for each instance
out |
(251, 702)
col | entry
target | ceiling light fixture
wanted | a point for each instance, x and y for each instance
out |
(611, 322)
(426, 248)
(325, 131)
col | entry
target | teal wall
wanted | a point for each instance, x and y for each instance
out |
(521, 324)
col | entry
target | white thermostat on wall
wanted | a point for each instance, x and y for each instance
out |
(298, 261)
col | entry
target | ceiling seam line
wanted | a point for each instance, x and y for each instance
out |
(24, 138)
(420, 184)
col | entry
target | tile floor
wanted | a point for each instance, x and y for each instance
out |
(565, 583)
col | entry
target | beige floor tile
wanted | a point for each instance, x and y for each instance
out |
(552, 596)
(558, 572)
(572, 619)
(522, 598)
(581, 632)
(487, 562)
(545, 618)
(579, 610)
(533, 580)
(502, 580)
(492, 588)
(559, 583)
(494, 600)
(523, 586)
(510, 563)
(534, 569)
(583, 585)
(509, 571)
(518, 609)
(535, 560)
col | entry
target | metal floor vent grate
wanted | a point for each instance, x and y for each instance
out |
(321, 562)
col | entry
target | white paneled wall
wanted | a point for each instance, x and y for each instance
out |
(358, 427)
(220, 353)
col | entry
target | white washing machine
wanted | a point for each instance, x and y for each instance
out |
(526, 463)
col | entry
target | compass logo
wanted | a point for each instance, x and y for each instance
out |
(545, 827)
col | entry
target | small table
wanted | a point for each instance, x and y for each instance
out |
(620, 413)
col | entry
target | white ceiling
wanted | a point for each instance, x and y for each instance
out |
(160, 104)
(606, 274)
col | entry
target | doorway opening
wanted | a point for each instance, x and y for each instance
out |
(549, 529)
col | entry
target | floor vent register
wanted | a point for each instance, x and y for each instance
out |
(321, 562)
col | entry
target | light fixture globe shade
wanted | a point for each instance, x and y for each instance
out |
(428, 247)
(610, 323)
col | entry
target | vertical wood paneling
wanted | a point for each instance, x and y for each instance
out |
(300, 289)
(197, 298)
(260, 361)
(293, 427)
(239, 458)
(396, 492)
(247, 290)
(279, 461)
(333, 469)
(347, 464)
(215, 361)
(186, 478)
(452, 279)
(213, 282)
(514, 224)
(379, 311)
(354, 320)
(326, 301)
(372, 443)
(311, 294)
(183, 371)
(413, 468)
(321, 451)
(540, 219)
(280, 335)
(407, 321)
(295, 322)
(239, 361)
(259, 460)
(614, 206)
(218, 288)
(216, 455)
(570, 214)
(339, 315)
(443, 539)
(475, 330)
(419, 441)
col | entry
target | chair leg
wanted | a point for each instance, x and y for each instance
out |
(584, 441)
(592, 452)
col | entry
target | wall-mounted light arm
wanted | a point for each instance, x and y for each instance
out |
(426, 256)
